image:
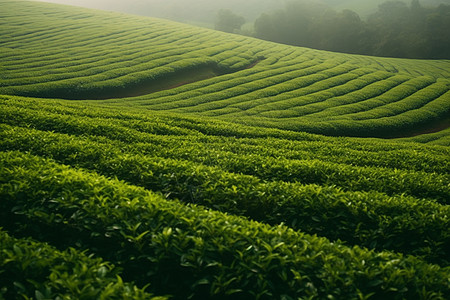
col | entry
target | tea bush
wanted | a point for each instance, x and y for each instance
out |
(192, 252)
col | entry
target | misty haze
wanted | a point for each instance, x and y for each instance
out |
(225, 149)
(409, 29)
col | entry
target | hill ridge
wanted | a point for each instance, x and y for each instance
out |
(111, 55)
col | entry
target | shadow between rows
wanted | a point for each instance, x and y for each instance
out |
(141, 87)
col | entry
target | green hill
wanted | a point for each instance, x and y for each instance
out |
(141, 158)
(74, 53)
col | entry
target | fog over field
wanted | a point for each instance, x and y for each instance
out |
(399, 28)
(406, 29)
(203, 12)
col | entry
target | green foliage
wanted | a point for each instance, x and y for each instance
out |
(192, 252)
(267, 179)
(34, 270)
(228, 21)
(395, 30)
(195, 188)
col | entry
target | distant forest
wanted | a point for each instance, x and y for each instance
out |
(396, 29)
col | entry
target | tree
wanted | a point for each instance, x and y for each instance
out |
(396, 29)
(347, 33)
(228, 21)
(264, 28)
(437, 24)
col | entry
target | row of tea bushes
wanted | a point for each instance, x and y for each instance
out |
(187, 251)
(36, 270)
(353, 178)
(134, 126)
(369, 219)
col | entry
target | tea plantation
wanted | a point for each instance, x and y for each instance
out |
(147, 159)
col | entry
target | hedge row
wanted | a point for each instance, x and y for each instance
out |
(163, 134)
(233, 85)
(419, 184)
(369, 219)
(191, 252)
(35, 270)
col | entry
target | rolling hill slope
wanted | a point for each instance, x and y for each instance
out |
(165, 169)
(53, 51)
(127, 186)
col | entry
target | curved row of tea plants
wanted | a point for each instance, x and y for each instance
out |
(275, 191)
(308, 170)
(35, 270)
(311, 171)
(370, 219)
(75, 53)
(163, 131)
(188, 251)
(99, 63)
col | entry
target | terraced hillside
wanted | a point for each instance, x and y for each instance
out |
(168, 195)
(54, 51)
(125, 185)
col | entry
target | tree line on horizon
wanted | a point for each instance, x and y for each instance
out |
(394, 30)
